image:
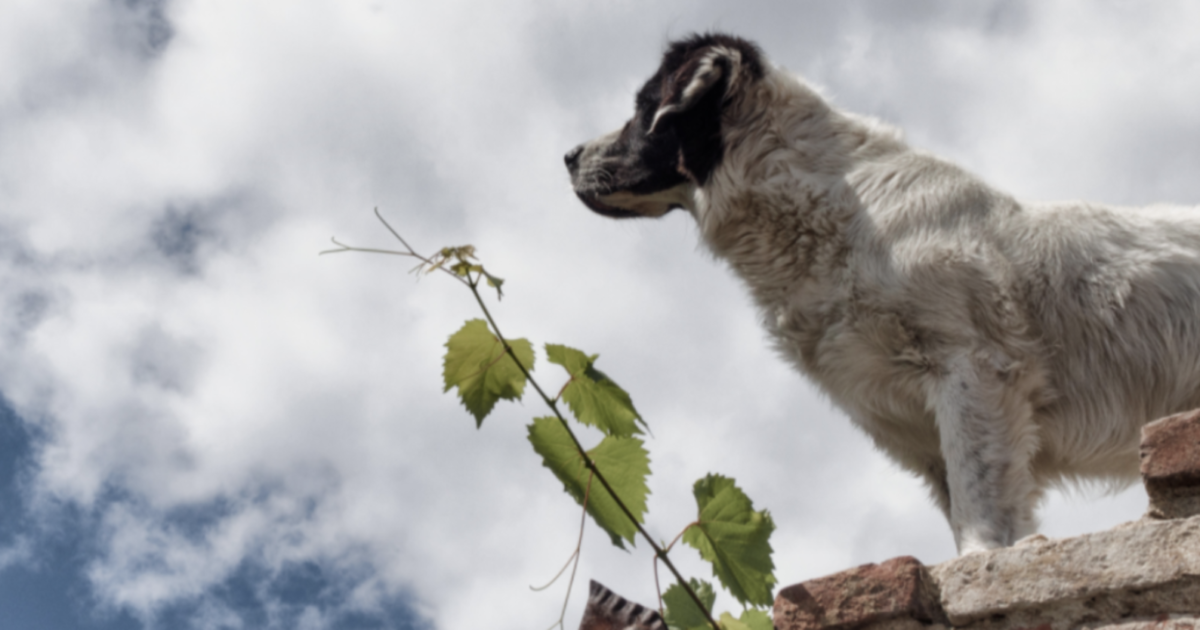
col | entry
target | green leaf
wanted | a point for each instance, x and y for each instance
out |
(483, 372)
(624, 462)
(729, 623)
(754, 619)
(734, 538)
(681, 612)
(494, 282)
(593, 397)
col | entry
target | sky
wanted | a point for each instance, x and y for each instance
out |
(204, 424)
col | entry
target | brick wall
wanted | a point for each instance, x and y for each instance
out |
(1137, 576)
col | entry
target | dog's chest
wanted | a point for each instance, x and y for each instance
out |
(868, 358)
(795, 250)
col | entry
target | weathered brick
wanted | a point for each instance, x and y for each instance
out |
(1159, 622)
(1146, 568)
(1170, 465)
(896, 590)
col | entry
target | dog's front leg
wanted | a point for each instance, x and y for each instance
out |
(987, 440)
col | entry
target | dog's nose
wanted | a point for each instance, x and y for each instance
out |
(572, 157)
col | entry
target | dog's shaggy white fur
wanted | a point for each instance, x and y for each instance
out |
(992, 347)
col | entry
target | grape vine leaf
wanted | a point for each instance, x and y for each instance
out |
(734, 538)
(594, 398)
(624, 462)
(757, 619)
(751, 619)
(681, 612)
(478, 366)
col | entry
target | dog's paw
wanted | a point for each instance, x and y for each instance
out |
(973, 547)
(1031, 539)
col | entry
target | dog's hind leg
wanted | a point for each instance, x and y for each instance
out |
(988, 440)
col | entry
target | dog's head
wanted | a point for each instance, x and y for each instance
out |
(673, 143)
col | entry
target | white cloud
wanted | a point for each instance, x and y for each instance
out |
(293, 401)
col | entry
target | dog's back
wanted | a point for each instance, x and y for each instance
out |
(1113, 295)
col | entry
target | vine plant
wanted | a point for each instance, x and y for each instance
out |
(485, 366)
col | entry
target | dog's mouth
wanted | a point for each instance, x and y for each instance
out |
(624, 204)
(593, 202)
(615, 181)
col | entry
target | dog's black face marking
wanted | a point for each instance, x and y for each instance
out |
(697, 129)
(674, 137)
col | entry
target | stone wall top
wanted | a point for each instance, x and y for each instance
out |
(1141, 575)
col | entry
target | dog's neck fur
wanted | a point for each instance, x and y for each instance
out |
(782, 203)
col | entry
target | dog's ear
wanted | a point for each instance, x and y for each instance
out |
(713, 69)
(691, 104)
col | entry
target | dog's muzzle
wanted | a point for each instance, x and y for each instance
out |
(571, 159)
(590, 197)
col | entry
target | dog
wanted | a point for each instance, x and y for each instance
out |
(994, 348)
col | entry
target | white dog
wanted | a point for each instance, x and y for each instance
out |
(992, 347)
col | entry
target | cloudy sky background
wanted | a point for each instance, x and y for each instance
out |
(204, 424)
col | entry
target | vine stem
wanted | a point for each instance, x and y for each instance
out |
(573, 561)
(659, 552)
(666, 550)
(472, 283)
